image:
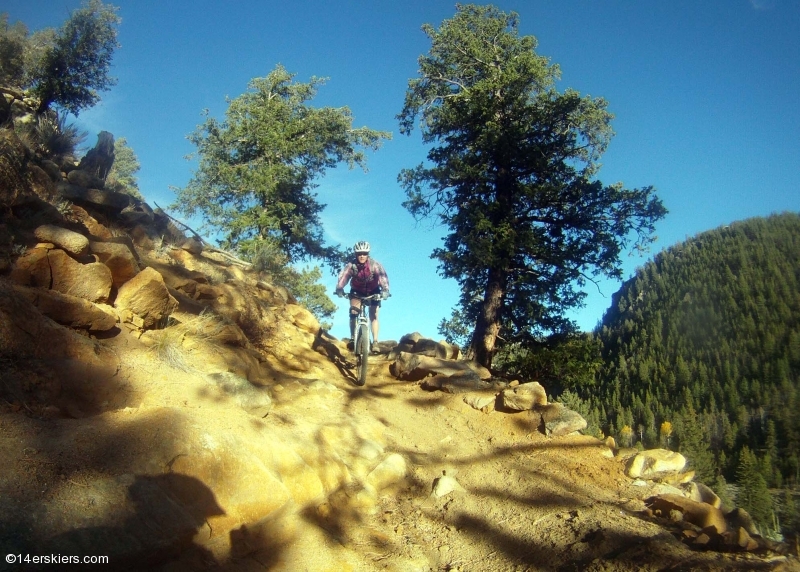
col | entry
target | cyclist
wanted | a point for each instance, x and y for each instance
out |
(367, 277)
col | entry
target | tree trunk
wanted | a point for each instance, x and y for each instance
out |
(487, 326)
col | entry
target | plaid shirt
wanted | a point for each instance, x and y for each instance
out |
(364, 278)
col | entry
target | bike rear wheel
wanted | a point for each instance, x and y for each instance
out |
(363, 352)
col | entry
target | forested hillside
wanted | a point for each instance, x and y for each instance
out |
(702, 354)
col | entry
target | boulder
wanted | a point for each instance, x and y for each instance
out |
(414, 367)
(109, 200)
(740, 538)
(700, 514)
(88, 281)
(701, 493)
(84, 179)
(69, 310)
(524, 396)
(32, 269)
(126, 240)
(482, 401)
(384, 347)
(71, 241)
(137, 212)
(145, 297)
(560, 421)
(192, 245)
(411, 339)
(15, 185)
(94, 228)
(431, 348)
(740, 518)
(41, 183)
(118, 258)
(178, 277)
(53, 170)
(391, 471)
(655, 463)
(54, 365)
(302, 318)
(707, 495)
(463, 382)
(417, 344)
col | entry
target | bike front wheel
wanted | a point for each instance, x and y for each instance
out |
(362, 350)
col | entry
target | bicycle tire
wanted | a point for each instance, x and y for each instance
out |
(363, 353)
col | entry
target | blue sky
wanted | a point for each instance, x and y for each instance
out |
(704, 93)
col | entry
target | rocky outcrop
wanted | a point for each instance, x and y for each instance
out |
(15, 187)
(480, 391)
(97, 162)
(32, 268)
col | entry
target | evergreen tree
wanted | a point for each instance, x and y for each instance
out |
(75, 66)
(753, 494)
(259, 166)
(511, 174)
(122, 176)
(12, 52)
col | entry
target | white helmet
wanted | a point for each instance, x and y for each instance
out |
(361, 246)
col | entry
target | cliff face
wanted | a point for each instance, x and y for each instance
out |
(166, 407)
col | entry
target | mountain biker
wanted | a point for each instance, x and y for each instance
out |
(367, 277)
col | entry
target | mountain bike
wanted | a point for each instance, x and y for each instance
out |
(361, 344)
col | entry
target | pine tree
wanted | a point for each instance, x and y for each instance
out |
(694, 446)
(753, 494)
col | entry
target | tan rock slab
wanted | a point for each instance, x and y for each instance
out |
(69, 310)
(700, 514)
(88, 281)
(118, 258)
(147, 297)
(32, 269)
(90, 223)
(303, 319)
(65, 239)
(524, 396)
(654, 463)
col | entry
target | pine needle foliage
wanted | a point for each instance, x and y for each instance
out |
(258, 168)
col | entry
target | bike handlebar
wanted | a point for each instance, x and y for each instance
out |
(364, 298)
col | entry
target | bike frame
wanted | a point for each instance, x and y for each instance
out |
(361, 337)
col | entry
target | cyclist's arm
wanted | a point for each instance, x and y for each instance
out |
(344, 277)
(383, 278)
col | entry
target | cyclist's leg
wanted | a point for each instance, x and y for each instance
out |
(374, 309)
(355, 308)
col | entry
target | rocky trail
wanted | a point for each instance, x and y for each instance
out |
(389, 476)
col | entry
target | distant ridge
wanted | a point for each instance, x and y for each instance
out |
(711, 326)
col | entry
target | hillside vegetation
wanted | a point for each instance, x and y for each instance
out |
(701, 353)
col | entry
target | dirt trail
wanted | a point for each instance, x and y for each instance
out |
(522, 501)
